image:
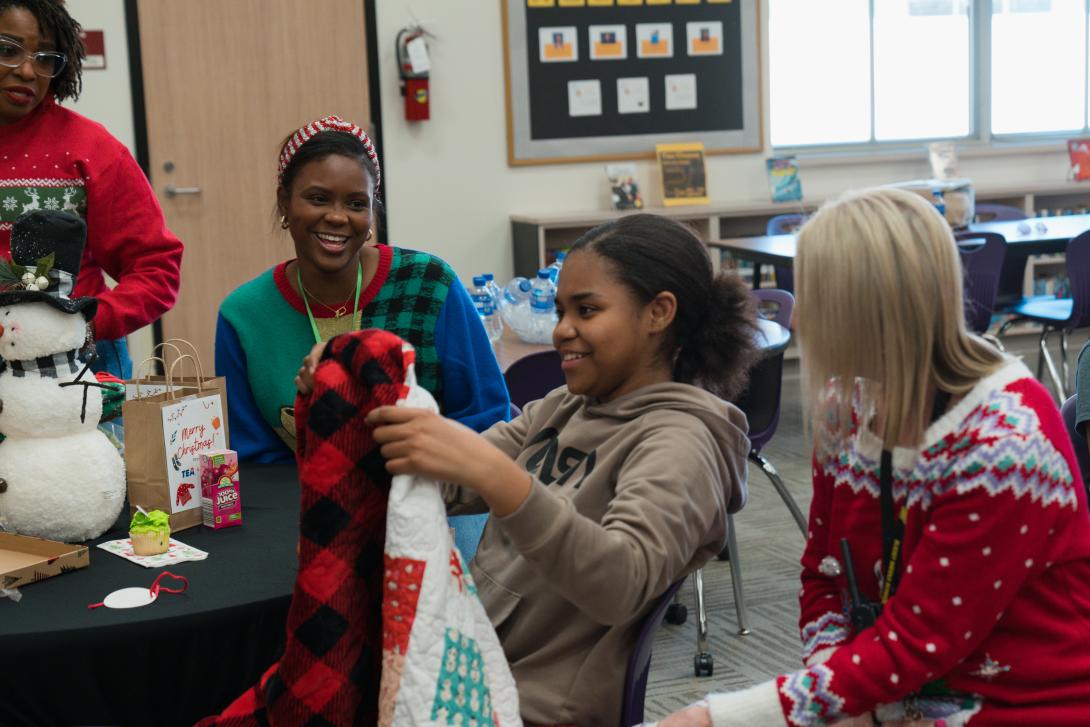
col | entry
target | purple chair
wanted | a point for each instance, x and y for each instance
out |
(635, 679)
(761, 405)
(982, 255)
(785, 225)
(988, 212)
(532, 377)
(1078, 440)
(761, 400)
(1061, 314)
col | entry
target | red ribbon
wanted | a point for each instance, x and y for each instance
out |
(156, 587)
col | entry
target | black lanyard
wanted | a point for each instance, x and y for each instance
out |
(893, 526)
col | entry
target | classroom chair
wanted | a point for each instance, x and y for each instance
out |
(761, 400)
(1060, 314)
(532, 377)
(761, 405)
(982, 255)
(1078, 440)
(990, 212)
(639, 664)
(785, 225)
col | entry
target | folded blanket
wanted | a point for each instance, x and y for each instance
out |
(407, 617)
(442, 663)
(330, 671)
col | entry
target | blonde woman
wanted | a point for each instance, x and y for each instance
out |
(945, 470)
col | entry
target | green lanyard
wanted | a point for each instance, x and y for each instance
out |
(310, 316)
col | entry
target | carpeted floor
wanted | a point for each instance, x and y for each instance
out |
(770, 545)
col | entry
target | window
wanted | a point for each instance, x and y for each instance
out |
(1038, 66)
(866, 72)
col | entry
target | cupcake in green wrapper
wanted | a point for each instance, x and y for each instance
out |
(150, 532)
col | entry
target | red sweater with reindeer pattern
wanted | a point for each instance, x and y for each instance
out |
(54, 158)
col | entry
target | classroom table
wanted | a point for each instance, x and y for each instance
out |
(171, 662)
(1033, 236)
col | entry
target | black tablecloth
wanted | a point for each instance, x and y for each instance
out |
(169, 663)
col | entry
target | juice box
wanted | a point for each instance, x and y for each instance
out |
(221, 499)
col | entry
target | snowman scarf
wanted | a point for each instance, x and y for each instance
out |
(408, 617)
(49, 366)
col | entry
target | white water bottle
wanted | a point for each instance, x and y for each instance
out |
(486, 309)
(542, 307)
(558, 263)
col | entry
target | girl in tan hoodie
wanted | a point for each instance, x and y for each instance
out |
(611, 488)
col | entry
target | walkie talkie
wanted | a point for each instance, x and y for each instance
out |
(863, 613)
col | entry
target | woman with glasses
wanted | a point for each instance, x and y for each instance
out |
(53, 158)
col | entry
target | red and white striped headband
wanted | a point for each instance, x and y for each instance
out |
(328, 123)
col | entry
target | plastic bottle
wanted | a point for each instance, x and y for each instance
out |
(494, 290)
(554, 269)
(542, 307)
(515, 310)
(486, 308)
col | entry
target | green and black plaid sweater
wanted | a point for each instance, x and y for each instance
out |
(263, 335)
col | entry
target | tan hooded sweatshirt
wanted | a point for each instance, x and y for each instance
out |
(628, 496)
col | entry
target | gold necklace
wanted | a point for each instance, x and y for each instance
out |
(337, 312)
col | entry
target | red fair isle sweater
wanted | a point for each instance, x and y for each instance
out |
(990, 623)
(57, 159)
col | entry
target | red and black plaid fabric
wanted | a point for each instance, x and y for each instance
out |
(332, 663)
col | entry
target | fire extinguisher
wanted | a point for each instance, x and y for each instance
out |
(414, 68)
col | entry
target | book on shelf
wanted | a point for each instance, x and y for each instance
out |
(681, 167)
(783, 179)
(1078, 151)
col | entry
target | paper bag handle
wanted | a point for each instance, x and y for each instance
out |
(172, 342)
(136, 372)
(170, 374)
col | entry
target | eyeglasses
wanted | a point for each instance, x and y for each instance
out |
(47, 64)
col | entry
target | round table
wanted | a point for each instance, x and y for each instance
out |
(182, 657)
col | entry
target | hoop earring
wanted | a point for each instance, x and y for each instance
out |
(283, 222)
(369, 234)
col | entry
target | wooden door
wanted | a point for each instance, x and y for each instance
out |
(224, 83)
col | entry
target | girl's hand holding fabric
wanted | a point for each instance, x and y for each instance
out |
(420, 442)
(304, 380)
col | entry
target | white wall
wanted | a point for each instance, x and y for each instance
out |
(107, 96)
(451, 191)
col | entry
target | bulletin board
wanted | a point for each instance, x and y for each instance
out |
(591, 80)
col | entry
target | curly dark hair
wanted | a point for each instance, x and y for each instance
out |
(712, 340)
(64, 31)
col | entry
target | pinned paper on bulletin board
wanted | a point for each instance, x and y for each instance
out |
(683, 178)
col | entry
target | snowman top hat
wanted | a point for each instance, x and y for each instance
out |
(46, 244)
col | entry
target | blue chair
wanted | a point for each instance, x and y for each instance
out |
(989, 212)
(639, 664)
(785, 225)
(982, 256)
(1061, 314)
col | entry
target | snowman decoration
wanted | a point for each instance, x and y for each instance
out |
(60, 477)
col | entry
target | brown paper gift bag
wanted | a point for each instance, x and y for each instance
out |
(164, 434)
(156, 384)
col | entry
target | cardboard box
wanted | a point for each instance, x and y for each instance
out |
(24, 559)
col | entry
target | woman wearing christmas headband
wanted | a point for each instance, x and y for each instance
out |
(341, 280)
(56, 159)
